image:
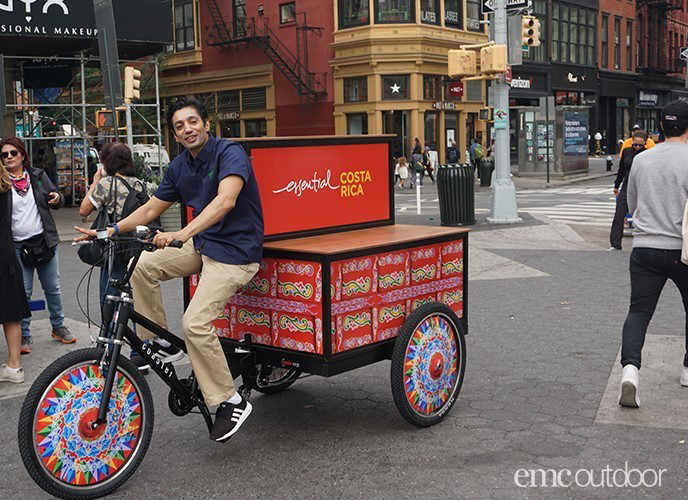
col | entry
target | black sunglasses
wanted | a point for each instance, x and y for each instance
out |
(638, 145)
(6, 154)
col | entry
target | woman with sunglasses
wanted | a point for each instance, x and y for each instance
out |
(15, 307)
(637, 146)
(35, 235)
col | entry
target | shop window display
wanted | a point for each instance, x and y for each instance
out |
(395, 87)
(430, 11)
(353, 13)
(453, 13)
(395, 11)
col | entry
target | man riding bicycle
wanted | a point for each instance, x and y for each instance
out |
(223, 243)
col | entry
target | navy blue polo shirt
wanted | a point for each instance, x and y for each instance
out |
(238, 237)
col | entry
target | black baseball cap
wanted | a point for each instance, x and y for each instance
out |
(675, 113)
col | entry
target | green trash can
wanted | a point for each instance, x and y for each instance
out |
(486, 167)
(456, 195)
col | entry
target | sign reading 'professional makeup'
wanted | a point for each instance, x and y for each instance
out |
(147, 21)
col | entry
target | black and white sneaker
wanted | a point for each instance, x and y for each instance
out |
(228, 419)
(168, 354)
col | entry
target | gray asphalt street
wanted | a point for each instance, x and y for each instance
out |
(546, 305)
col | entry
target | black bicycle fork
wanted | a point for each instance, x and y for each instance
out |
(120, 308)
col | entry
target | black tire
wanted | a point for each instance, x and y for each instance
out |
(441, 364)
(279, 379)
(54, 437)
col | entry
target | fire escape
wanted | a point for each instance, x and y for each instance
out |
(293, 66)
(658, 36)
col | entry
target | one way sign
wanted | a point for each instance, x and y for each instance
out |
(684, 53)
(488, 6)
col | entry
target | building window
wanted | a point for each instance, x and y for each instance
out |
(432, 130)
(395, 11)
(473, 15)
(555, 33)
(287, 12)
(474, 90)
(228, 101)
(432, 88)
(357, 124)
(629, 46)
(573, 39)
(617, 43)
(605, 40)
(453, 10)
(256, 128)
(230, 128)
(353, 13)
(252, 99)
(430, 11)
(395, 87)
(239, 22)
(184, 25)
(356, 89)
(538, 54)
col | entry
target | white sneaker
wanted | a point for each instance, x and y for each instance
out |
(629, 387)
(684, 376)
(9, 375)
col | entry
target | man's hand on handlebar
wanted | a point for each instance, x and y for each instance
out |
(163, 240)
(88, 234)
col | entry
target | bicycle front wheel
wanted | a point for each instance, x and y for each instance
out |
(62, 451)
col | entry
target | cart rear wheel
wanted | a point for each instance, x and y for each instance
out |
(273, 379)
(428, 364)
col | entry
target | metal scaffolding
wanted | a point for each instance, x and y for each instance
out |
(76, 113)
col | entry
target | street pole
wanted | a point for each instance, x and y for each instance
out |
(503, 205)
(130, 132)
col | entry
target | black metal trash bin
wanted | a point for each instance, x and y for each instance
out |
(456, 194)
(486, 168)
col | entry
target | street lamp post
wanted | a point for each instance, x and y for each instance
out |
(503, 204)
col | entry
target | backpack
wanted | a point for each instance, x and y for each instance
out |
(135, 199)
(478, 152)
(453, 155)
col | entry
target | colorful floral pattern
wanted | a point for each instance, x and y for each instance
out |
(427, 272)
(68, 448)
(452, 267)
(257, 285)
(357, 286)
(296, 289)
(355, 321)
(296, 268)
(392, 279)
(251, 318)
(431, 365)
(357, 265)
(295, 324)
(388, 314)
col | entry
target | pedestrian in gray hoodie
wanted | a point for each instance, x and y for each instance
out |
(657, 194)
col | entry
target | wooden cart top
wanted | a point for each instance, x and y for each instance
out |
(362, 239)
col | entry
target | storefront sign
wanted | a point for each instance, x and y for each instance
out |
(575, 133)
(315, 187)
(621, 102)
(228, 116)
(589, 100)
(444, 105)
(508, 75)
(518, 82)
(75, 19)
(647, 99)
(456, 89)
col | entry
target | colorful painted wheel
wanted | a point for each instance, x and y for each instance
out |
(62, 450)
(428, 364)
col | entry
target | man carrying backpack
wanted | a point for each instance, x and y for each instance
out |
(223, 243)
(476, 153)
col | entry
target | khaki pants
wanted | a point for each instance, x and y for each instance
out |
(217, 284)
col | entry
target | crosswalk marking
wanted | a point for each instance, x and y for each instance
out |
(567, 190)
(593, 213)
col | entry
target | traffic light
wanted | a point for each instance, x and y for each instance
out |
(461, 63)
(530, 31)
(493, 59)
(132, 83)
(105, 121)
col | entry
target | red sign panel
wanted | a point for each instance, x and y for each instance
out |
(313, 187)
(456, 89)
(507, 76)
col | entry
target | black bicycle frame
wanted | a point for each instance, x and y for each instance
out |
(124, 313)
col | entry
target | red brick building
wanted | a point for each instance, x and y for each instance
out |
(616, 31)
(662, 29)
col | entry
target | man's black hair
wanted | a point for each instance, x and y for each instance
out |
(183, 102)
(641, 134)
